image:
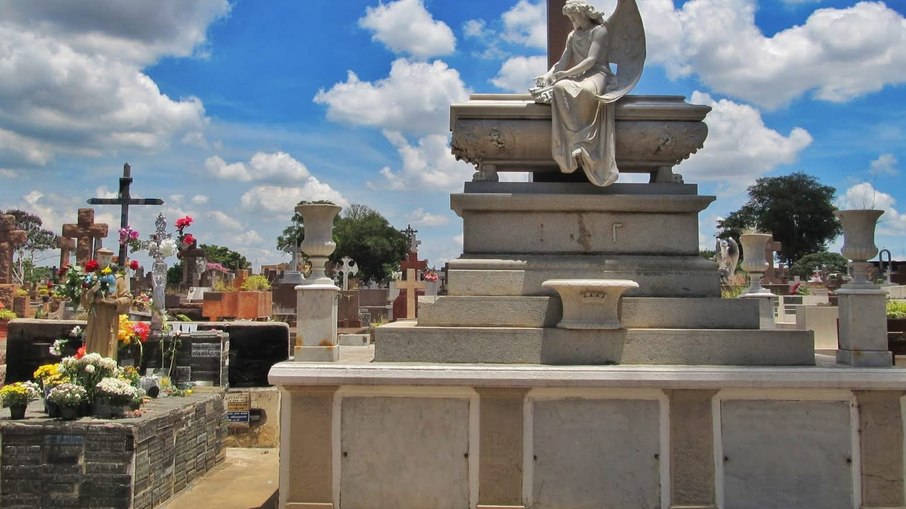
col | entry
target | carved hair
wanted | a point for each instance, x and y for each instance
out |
(584, 8)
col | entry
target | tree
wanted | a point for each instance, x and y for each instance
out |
(38, 240)
(225, 256)
(360, 233)
(796, 209)
(829, 262)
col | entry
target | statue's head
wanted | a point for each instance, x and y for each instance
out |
(105, 257)
(582, 7)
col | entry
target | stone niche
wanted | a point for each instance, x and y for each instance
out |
(136, 462)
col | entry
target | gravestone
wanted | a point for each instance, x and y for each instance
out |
(87, 235)
(124, 199)
(348, 310)
(10, 239)
(67, 247)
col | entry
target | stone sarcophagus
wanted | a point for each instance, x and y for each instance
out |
(510, 132)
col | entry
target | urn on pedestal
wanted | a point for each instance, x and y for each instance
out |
(316, 297)
(753, 249)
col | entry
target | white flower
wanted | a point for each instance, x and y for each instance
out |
(75, 332)
(89, 368)
(167, 247)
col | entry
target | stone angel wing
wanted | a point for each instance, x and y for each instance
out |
(626, 47)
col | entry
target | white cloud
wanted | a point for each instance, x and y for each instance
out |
(279, 201)
(475, 28)
(200, 199)
(249, 238)
(405, 26)
(415, 98)
(740, 148)
(103, 192)
(224, 220)
(421, 217)
(839, 54)
(517, 73)
(73, 80)
(275, 167)
(865, 196)
(526, 23)
(885, 164)
(8, 173)
(429, 164)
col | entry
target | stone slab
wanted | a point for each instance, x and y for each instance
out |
(657, 276)
(353, 339)
(781, 454)
(543, 311)
(405, 342)
(404, 452)
(595, 453)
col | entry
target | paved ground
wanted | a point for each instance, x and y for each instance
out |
(247, 479)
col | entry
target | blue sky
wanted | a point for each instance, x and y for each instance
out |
(234, 111)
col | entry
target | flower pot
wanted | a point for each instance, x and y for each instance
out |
(753, 248)
(107, 410)
(17, 412)
(859, 240)
(52, 409)
(69, 413)
(318, 243)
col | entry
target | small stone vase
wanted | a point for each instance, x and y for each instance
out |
(17, 412)
(753, 247)
(318, 243)
(68, 413)
(107, 410)
(859, 241)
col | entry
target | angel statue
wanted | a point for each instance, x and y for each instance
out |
(582, 88)
(726, 254)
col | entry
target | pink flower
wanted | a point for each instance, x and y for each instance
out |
(188, 240)
(183, 222)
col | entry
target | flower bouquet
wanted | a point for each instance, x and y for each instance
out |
(131, 336)
(69, 398)
(88, 370)
(112, 395)
(17, 395)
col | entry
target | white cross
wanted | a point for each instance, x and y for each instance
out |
(348, 268)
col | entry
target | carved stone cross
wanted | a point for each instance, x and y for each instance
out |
(190, 273)
(87, 234)
(349, 268)
(770, 274)
(411, 285)
(124, 199)
(67, 246)
(10, 239)
(413, 241)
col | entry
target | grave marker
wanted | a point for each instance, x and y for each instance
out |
(87, 235)
(10, 238)
(124, 199)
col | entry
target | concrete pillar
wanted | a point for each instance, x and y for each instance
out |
(691, 449)
(863, 328)
(881, 435)
(306, 450)
(500, 448)
(316, 322)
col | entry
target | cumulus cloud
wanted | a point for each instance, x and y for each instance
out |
(517, 73)
(740, 148)
(10, 174)
(526, 23)
(427, 164)
(224, 220)
(269, 167)
(405, 26)
(73, 80)
(200, 199)
(865, 196)
(415, 98)
(421, 217)
(279, 201)
(885, 164)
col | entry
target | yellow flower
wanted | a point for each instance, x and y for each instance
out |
(106, 270)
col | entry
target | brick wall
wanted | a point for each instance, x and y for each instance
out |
(137, 462)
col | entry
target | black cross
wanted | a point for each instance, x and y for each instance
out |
(124, 199)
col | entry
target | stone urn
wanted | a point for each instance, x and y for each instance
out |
(318, 243)
(859, 241)
(754, 263)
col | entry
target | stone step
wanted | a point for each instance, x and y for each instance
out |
(543, 311)
(407, 342)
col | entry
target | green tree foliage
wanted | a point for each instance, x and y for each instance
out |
(830, 262)
(360, 233)
(225, 256)
(38, 241)
(796, 209)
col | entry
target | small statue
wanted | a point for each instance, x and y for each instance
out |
(582, 88)
(105, 300)
(727, 256)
